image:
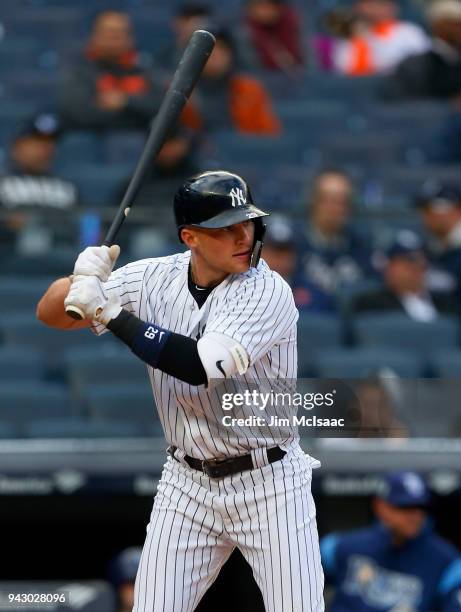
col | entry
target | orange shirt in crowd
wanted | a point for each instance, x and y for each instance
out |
(250, 108)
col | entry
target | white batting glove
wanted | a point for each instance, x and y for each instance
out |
(87, 294)
(97, 261)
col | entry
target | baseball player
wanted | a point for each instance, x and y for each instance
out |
(213, 320)
(397, 564)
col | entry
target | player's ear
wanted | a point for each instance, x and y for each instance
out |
(189, 237)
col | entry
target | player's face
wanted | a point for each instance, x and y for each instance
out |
(220, 252)
(404, 523)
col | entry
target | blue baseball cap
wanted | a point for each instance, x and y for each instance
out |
(440, 197)
(405, 489)
(406, 244)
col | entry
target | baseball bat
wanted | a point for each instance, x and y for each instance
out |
(187, 73)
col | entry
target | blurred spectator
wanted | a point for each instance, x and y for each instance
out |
(275, 31)
(175, 162)
(189, 17)
(441, 215)
(398, 563)
(108, 88)
(445, 145)
(122, 575)
(405, 284)
(30, 190)
(374, 405)
(376, 40)
(341, 26)
(280, 253)
(333, 254)
(435, 73)
(193, 16)
(226, 99)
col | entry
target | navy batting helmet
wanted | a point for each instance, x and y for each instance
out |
(217, 199)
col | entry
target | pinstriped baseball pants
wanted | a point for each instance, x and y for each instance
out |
(196, 522)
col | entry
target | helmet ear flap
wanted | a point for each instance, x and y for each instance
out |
(260, 230)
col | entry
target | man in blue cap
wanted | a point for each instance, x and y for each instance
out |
(398, 564)
(405, 286)
(440, 209)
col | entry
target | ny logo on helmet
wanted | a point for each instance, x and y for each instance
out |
(238, 197)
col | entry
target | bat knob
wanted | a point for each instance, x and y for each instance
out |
(75, 313)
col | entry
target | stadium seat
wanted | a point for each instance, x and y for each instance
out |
(7, 430)
(398, 330)
(122, 147)
(23, 402)
(17, 362)
(16, 294)
(24, 330)
(447, 363)
(369, 149)
(79, 427)
(78, 147)
(88, 365)
(56, 263)
(232, 147)
(121, 402)
(99, 184)
(359, 363)
(316, 332)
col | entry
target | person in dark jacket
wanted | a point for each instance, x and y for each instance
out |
(405, 286)
(108, 88)
(398, 563)
(37, 206)
(441, 215)
(275, 31)
(333, 255)
(435, 73)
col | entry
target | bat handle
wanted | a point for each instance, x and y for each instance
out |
(75, 313)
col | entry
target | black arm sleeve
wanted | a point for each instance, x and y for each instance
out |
(179, 356)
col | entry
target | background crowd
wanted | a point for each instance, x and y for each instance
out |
(345, 119)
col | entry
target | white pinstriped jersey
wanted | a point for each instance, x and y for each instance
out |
(255, 308)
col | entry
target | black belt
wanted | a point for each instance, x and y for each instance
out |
(218, 468)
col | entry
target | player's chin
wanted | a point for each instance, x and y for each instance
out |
(240, 264)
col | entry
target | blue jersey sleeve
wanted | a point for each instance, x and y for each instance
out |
(450, 587)
(328, 546)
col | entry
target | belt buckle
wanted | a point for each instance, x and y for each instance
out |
(213, 467)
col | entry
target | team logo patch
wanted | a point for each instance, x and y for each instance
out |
(238, 197)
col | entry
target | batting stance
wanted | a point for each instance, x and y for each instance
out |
(211, 319)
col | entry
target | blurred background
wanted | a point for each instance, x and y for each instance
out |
(345, 119)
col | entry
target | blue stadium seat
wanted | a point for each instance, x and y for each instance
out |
(41, 86)
(447, 363)
(24, 330)
(121, 401)
(89, 365)
(122, 147)
(17, 294)
(8, 430)
(77, 147)
(18, 363)
(262, 150)
(362, 362)
(316, 332)
(80, 427)
(393, 330)
(56, 263)
(23, 402)
(99, 185)
(312, 117)
(398, 180)
(369, 149)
